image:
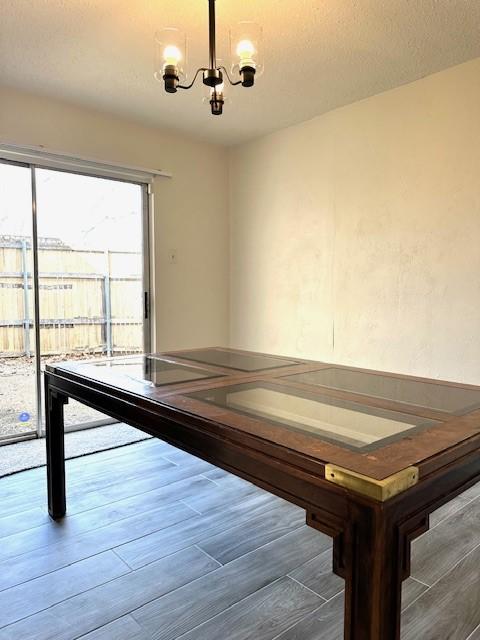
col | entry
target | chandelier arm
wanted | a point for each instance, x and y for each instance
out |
(189, 86)
(234, 84)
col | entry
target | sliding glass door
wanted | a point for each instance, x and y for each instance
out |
(82, 253)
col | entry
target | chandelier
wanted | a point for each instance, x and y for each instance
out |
(245, 60)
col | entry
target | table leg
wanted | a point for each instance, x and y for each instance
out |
(54, 403)
(374, 570)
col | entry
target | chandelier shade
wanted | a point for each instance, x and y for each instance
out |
(246, 48)
(170, 57)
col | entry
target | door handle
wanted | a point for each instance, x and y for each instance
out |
(146, 306)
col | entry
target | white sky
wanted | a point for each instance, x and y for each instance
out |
(84, 212)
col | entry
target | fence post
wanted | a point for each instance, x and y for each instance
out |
(107, 305)
(26, 309)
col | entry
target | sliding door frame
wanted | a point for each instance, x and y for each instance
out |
(147, 212)
(36, 302)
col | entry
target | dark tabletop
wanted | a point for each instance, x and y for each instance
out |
(371, 422)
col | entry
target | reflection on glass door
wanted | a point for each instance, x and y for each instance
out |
(18, 399)
(91, 262)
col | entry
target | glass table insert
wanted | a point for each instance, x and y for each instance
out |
(341, 422)
(429, 395)
(232, 360)
(156, 371)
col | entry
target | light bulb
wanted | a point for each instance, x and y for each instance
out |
(172, 55)
(245, 51)
(217, 90)
(217, 99)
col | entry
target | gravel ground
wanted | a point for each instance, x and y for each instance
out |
(17, 396)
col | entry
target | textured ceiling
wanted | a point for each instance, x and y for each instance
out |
(319, 54)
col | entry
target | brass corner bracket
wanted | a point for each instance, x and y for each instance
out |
(381, 490)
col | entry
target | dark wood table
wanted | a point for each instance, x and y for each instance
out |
(368, 455)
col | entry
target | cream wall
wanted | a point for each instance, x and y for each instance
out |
(191, 296)
(355, 237)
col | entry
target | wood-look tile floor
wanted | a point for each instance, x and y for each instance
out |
(160, 545)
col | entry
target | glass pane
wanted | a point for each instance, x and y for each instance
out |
(155, 371)
(350, 424)
(18, 413)
(90, 271)
(422, 394)
(232, 360)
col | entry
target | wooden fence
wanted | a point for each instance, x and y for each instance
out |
(90, 301)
